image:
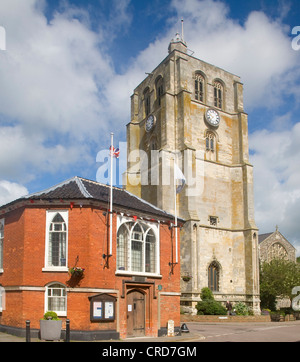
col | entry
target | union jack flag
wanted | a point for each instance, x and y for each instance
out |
(114, 151)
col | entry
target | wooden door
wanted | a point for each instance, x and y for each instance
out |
(135, 314)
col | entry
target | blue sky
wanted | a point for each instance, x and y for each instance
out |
(70, 67)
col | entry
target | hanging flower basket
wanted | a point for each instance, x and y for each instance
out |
(186, 278)
(76, 271)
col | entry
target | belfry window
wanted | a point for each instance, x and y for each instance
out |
(218, 94)
(159, 90)
(147, 101)
(199, 87)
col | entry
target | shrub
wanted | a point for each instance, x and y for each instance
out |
(206, 294)
(241, 309)
(51, 316)
(210, 307)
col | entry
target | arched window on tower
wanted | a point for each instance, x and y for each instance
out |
(199, 87)
(159, 89)
(214, 276)
(210, 142)
(147, 101)
(211, 145)
(218, 94)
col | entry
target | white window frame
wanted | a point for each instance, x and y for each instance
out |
(2, 223)
(60, 313)
(49, 217)
(2, 298)
(155, 228)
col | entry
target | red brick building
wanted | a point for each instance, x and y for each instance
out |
(130, 284)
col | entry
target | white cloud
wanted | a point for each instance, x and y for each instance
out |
(10, 191)
(52, 95)
(60, 92)
(259, 50)
(50, 72)
(277, 181)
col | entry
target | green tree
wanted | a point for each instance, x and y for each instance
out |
(277, 279)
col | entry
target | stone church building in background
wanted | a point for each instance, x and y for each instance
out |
(275, 246)
(189, 113)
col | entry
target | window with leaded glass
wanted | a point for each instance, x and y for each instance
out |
(56, 240)
(147, 101)
(213, 276)
(159, 90)
(199, 87)
(137, 248)
(56, 299)
(218, 94)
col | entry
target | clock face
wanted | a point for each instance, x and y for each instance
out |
(150, 122)
(212, 116)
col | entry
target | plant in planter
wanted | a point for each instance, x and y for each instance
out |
(76, 271)
(186, 278)
(50, 327)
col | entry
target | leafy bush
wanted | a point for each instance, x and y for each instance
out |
(241, 309)
(208, 305)
(206, 294)
(51, 316)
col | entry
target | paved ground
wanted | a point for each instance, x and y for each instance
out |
(217, 332)
(246, 332)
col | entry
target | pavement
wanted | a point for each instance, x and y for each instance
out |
(184, 337)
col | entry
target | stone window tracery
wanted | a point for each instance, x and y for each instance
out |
(277, 251)
(214, 276)
(199, 87)
(218, 94)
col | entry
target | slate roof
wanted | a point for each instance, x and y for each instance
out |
(78, 188)
(263, 237)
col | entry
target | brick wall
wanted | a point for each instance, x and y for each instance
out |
(24, 259)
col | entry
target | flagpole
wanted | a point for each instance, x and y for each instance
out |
(175, 206)
(111, 192)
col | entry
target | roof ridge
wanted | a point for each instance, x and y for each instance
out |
(101, 184)
(81, 187)
(51, 188)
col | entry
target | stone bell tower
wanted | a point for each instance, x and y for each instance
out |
(190, 112)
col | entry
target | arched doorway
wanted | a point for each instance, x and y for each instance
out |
(135, 313)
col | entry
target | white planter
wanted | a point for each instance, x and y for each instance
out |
(50, 330)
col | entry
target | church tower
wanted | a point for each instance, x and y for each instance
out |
(190, 113)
